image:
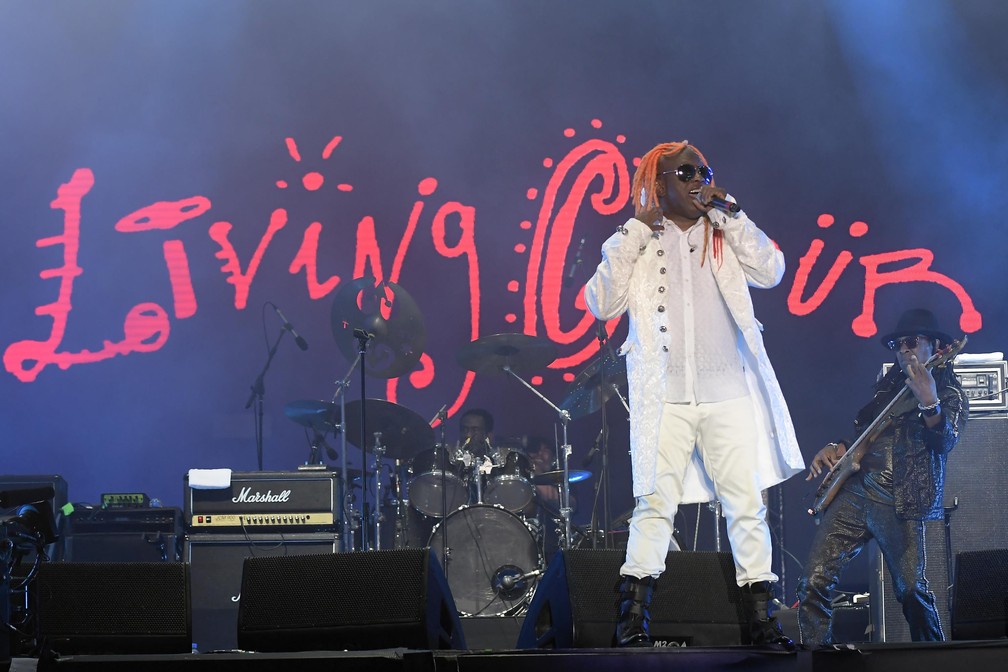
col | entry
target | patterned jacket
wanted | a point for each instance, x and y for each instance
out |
(919, 454)
(632, 278)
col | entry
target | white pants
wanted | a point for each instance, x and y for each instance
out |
(723, 433)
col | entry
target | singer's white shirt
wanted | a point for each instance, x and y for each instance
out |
(703, 358)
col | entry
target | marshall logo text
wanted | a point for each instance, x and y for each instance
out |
(246, 495)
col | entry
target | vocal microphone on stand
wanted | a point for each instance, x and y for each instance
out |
(437, 415)
(301, 342)
(569, 278)
(594, 449)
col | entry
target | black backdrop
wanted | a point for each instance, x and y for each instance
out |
(227, 154)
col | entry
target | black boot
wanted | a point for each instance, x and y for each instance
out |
(634, 602)
(764, 631)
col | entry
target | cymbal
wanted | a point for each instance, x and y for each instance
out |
(519, 352)
(318, 415)
(389, 313)
(556, 477)
(585, 396)
(403, 432)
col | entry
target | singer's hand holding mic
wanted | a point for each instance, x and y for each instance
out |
(710, 196)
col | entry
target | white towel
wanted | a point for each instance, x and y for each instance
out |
(978, 357)
(209, 479)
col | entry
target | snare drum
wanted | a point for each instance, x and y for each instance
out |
(486, 544)
(510, 482)
(426, 484)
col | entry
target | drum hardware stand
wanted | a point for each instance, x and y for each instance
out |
(347, 512)
(379, 451)
(442, 415)
(256, 397)
(565, 508)
(715, 507)
(363, 338)
(401, 529)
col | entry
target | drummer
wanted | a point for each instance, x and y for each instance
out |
(476, 431)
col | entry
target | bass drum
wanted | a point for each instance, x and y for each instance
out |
(488, 548)
(426, 484)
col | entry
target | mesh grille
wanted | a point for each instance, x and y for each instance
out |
(334, 590)
(112, 598)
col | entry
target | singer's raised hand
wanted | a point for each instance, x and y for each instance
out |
(652, 217)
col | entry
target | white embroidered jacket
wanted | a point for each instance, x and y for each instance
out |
(628, 280)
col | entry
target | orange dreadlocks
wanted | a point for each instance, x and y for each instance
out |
(646, 178)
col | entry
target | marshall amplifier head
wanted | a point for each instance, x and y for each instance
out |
(265, 500)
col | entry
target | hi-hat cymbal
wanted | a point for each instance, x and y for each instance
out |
(403, 432)
(519, 352)
(585, 394)
(318, 415)
(387, 312)
(556, 477)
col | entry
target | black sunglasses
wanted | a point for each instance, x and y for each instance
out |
(688, 171)
(909, 341)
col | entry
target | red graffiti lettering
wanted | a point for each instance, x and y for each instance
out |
(146, 325)
(232, 268)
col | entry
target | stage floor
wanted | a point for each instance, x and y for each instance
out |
(976, 655)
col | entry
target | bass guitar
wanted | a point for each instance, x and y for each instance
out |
(850, 463)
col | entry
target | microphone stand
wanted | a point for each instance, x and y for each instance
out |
(257, 395)
(603, 340)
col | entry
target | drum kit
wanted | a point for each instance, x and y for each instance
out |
(469, 503)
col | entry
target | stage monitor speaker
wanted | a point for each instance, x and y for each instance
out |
(974, 487)
(980, 605)
(216, 561)
(113, 607)
(362, 600)
(696, 602)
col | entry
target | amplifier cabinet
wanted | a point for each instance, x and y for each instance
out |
(215, 564)
(124, 535)
(263, 501)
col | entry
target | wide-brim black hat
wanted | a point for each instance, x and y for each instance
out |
(916, 321)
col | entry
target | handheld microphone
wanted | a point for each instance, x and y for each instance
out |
(724, 205)
(301, 342)
(569, 278)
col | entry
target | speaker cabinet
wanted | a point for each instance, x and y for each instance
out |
(975, 475)
(113, 607)
(696, 603)
(364, 600)
(124, 535)
(980, 608)
(216, 563)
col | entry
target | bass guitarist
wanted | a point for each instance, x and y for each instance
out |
(899, 484)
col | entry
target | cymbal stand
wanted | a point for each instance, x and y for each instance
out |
(347, 513)
(363, 338)
(565, 451)
(379, 451)
(442, 447)
(605, 349)
(257, 395)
